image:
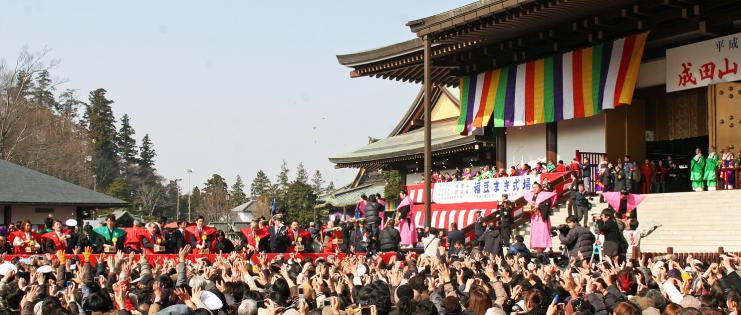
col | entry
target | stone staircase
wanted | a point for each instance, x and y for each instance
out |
(690, 221)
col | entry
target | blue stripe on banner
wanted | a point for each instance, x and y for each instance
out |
(606, 54)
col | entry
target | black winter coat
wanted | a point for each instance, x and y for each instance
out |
(578, 240)
(372, 210)
(389, 239)
(492, 241)
(613, 238)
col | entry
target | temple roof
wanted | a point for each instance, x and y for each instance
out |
(409, 146)
(20, 185)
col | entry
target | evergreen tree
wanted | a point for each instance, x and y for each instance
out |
(146, 155)
(126, 142)
(237, 195)
(119, 189)
(299, 202)
(330, 187)
(195, 204)
(260, 185)
(317, 181)
(301, 175)
(283, 181)
(42, 92)
(68, 104)
(102, 132)
(214, 200)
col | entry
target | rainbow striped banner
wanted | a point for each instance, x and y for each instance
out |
(576, 84)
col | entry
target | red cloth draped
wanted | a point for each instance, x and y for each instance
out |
(36, 237)
(58, 242)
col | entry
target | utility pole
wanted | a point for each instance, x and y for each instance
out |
(190, 189)
(177, 201)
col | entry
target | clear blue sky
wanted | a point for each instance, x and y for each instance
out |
(228, 87)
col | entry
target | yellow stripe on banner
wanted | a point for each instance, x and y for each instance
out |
(491, 96)
(539, 94)
(586, 77)
(631, 76)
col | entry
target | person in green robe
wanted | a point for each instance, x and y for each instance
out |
(111, 235)
(697, 170)
(711, 169)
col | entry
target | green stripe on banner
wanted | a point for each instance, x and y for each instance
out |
(465, 85)
(548, 97)
(501, 96)
(597, 52)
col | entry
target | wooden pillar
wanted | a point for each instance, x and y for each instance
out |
(8, 215)
(500, 143)
(551, 144)
(427, 57)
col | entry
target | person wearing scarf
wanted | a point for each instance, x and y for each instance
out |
(697, 170)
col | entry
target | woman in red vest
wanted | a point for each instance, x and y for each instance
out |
(332, 236)
(25, 241)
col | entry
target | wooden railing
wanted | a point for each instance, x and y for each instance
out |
(708, 257)
(520, 218)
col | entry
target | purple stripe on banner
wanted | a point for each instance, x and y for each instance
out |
(558, 87)
(509, 103)
(471, 104)
(606, 54)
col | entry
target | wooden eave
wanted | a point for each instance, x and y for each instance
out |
(535, 29)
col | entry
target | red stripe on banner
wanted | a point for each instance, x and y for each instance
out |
(624, 63)
(477, 121)
(578, 93)
(530, 93)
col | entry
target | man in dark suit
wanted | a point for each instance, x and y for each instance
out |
(455, 235)
(491, 240)
(278, 235)
(360, 237)
(478, 226)
(180, 237)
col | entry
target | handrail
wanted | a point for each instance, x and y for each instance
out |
(520, 202)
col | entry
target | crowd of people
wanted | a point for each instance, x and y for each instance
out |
(595, 271)
(650, 176)
(473, 279)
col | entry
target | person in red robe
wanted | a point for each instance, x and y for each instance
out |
(203, 235)
(647, 169)
(151, 241)
(560, 167)
(25, 241)
(574, 166)
(298, 236)
(249, 235)
(133, 241)
(56, 239)
(332, 236)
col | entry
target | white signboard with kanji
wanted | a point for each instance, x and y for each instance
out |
(482, 190)
(700, 64)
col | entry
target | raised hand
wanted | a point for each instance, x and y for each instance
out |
(87, 254)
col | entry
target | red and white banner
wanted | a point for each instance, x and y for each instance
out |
(704, 63)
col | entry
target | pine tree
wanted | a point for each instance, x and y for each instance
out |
(237, 195)
(299, 202)
(146, 155)
(102, 132)
(330, 187)
(126, 143)
(317, 181)
(214, 200)
(260, 185)
(68, 104)
(195, 204)
(42, 92)
(283, 181)
(301, 176)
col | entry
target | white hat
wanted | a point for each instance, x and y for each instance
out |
(362, 269)
(5, 266)
(71, 223)
(44, 269)
(211, 301)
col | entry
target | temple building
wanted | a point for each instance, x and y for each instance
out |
(516, 82)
